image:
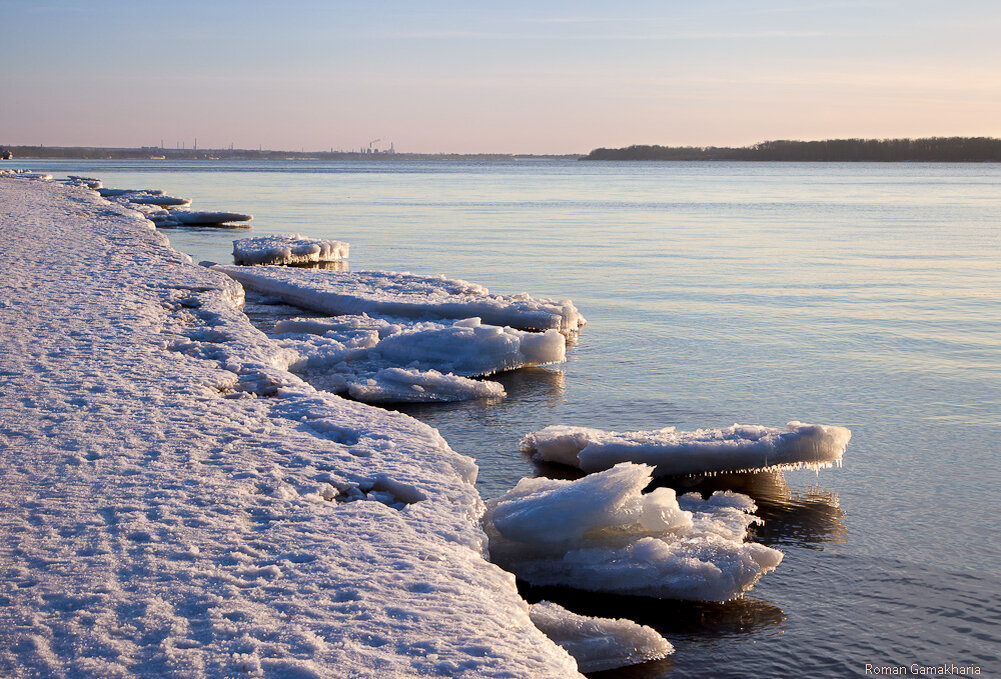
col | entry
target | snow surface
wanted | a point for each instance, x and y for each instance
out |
(600, 533)
(176, 503)
(406, 295)
(732, 449)
(351, 353)
(24, 174)
(287, 249)
(599, 643)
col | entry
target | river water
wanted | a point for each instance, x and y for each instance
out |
(862, 295)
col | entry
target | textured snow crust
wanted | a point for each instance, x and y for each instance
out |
(176, 503)
(731, 449)
(406, 295)
(288, 249)
(601, 533)
(599, 644)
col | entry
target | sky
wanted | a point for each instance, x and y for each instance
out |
(502, 77)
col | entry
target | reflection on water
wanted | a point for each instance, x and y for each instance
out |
(683, 623)
(228, 226)
(340, 265)
(675, 619)
(804, 518)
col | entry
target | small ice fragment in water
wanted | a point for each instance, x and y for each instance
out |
(599, 644)
(601, 533)
(732, 449)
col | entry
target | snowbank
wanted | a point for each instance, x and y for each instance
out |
(599, 644)
(600, 533)
(287, 249)
(733, 449)
(176, 503)
(406, 295)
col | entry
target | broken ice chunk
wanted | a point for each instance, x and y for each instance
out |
(732, 449)
(204, 218)
(287, 249)
(599, 644)
(398, 385)
(110, 193)
(470, 348)
(407, 295)
(600, 533)
(160, 200)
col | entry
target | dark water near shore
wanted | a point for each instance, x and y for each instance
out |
(863, 295)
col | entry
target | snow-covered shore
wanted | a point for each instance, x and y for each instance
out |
(173, 502)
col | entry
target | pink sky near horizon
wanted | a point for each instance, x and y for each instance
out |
(544, 77)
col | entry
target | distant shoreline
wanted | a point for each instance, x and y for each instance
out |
(928, 150)
(21, 152)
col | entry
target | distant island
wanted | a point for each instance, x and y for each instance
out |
(163, 153)
(932, 149)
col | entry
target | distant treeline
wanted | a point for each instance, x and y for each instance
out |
(932, 149)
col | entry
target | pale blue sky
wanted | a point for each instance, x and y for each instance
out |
(536, 77)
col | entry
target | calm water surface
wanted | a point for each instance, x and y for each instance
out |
(863, 295)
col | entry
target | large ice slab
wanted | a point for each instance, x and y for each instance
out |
(345, 353)
(599, 644)
(600, 533)
(288, 249)
(205, 218)
(158, 200)
(108, 192)
(671, 452)
(405, 294)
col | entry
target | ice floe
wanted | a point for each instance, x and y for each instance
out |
(397, 385)
(180, 217)
(407, 295)
(112, 193)
(287, 249)
(599, 644)
(601, 533)
(160, 200)
(671, 452)
(345, 353)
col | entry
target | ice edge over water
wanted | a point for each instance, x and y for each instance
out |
(406, 295)
(740, 448)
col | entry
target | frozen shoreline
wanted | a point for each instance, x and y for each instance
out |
(176, 502)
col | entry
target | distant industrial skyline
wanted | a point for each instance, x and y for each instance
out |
(541, 77)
